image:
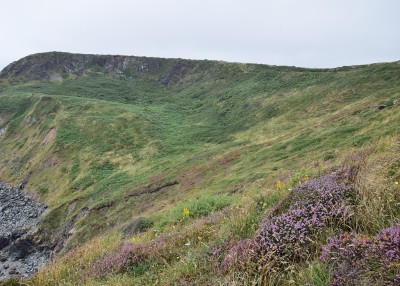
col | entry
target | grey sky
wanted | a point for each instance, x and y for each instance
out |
(308, 33)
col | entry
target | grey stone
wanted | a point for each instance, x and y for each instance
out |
(22, 250)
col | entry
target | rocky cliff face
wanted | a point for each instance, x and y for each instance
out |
(56, 65)
(22, 248)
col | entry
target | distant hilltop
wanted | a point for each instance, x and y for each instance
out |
(56, 65)
(59, 65)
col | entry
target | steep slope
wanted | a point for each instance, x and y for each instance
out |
(108, 140)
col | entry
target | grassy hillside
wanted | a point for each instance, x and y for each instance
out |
(110, 142)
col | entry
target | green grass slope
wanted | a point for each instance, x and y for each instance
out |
(122, 138)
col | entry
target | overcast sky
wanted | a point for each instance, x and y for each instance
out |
(307, 33)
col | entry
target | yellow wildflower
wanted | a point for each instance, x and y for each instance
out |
(264, 205)
(396, 183)
(278, 185)
(186, 212)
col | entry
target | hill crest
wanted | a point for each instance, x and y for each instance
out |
(58, 65)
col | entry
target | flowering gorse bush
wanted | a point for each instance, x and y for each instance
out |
(286, 238)
(362, 258)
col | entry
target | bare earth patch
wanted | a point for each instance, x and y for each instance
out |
(52, 161)
(49, 136)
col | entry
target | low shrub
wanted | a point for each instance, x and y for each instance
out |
(163, 249)
(129, 255)
(362, 260)
(288, 237)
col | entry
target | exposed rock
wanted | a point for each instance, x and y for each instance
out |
(55, 66)
(49, 136)
(71, 207)
(31, 119)
(382, 106)
(67, 230)
(177, 72)
(151, 189)
(55, 76)
(22, 248)
(4, 241)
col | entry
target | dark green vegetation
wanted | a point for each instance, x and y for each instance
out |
(127, 137)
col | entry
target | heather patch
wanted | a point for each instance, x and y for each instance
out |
(164, 249)
(127, 256)
(363, 260)
(289, 237)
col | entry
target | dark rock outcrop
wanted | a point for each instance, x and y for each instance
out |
(22, 247)
(60, 239)
(56, 65)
